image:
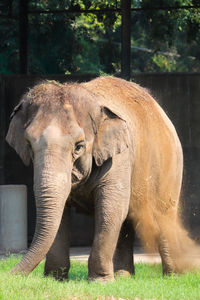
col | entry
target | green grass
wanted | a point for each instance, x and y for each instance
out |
(148, 283)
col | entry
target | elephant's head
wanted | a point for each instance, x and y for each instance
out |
(61, 128)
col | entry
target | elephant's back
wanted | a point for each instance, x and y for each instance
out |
(119, 93)
(133, 103)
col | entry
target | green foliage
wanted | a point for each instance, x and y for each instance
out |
(165, 24)
(170, 38)
(161, 40)
(148, 283)
(164, 64)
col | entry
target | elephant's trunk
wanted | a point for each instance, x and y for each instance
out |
(52, 184)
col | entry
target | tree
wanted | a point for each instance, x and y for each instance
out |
(161, 40)
(175, 34)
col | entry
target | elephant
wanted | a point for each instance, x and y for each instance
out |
(107, 147)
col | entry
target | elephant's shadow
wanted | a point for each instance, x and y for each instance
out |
(78, 271)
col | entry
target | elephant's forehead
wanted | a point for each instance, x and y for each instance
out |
(54, 131)
(46, 116)
(48, 129)
(51, 131)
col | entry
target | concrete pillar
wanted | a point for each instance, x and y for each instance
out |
(13, 218)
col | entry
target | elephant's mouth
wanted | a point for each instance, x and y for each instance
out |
(77, 175)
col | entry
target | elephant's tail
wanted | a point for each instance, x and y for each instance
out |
(178, 251)
(167, 235)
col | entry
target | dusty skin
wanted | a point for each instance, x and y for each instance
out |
(107, 148)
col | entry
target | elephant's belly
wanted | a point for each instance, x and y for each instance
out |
(83, 202)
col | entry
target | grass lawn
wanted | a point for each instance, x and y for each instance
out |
(148, 283)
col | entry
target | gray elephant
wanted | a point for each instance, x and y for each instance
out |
(107, 147)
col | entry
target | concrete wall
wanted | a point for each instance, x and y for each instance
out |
(178, 94)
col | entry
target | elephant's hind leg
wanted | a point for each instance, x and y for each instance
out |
(57, 260)
(171, 244)
(123, 258)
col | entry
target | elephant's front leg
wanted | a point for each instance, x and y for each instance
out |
(111, 208)
(57, 260)
(123, 258)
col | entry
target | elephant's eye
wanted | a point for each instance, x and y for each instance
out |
(79, 147)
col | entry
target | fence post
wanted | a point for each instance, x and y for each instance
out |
(23, 36)
(2, 128)
(126, 39)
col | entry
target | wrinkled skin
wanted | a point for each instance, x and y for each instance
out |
(107, 147)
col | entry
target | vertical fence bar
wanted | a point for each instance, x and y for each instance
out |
(23, 36)
(2, 126)
(126, 39)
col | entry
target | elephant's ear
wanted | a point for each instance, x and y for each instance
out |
(15, 135)
(111, 136)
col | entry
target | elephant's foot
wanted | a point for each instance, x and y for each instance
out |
(101, 278)
(60, 274)
(99, 269)
(167, 269)
(124, 268)
(125, 273)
